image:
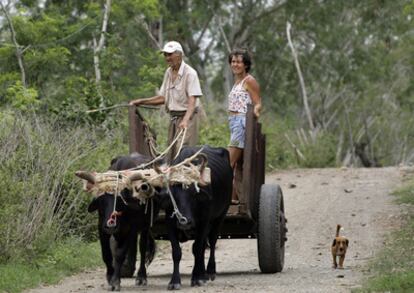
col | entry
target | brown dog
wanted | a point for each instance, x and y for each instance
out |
(339, 247)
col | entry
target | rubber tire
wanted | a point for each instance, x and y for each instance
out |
(271, 229)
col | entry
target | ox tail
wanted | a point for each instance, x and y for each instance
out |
(151, 248)
(338, 227)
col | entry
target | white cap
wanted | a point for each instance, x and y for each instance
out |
(172, 47)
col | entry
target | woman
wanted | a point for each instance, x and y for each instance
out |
(245, 91)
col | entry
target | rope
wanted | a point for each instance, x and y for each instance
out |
(160, 156)
(152, 144)
(112, 220)
(181, 144)
(181, 219)
(152, 210)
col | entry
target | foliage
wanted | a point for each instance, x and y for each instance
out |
(41, 200)
(353, 55)
(22, 98)
(61, 259)
(393, 268)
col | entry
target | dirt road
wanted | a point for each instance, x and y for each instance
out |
(315, 201)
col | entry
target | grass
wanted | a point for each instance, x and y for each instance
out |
(61, 260)
(393, 269)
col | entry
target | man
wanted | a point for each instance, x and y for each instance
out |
(179, 92)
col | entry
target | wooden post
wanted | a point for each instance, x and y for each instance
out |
(248, 160)
(137, 141)
(253, 164)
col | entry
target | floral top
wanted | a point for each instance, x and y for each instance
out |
(239, 98)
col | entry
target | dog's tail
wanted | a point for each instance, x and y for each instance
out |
(338, 227)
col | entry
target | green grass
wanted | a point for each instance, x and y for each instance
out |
(393, 269)
(62, 260)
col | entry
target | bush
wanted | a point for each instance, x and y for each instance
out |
(61, 259)
(41, 199)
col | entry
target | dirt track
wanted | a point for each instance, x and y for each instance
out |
(315, 201)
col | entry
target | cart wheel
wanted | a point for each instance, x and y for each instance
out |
(272, 229)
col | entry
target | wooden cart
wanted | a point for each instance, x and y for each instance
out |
(260, 214)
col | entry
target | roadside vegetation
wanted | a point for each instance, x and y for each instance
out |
(393, 269)
(59, 59)
(61, 259)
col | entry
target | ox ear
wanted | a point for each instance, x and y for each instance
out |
(347, 243)
(334, 242)
(113, 163)
(93, 205)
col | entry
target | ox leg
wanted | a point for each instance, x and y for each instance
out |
(146, 250)
(212, 238)
(106, 254)
(121, 248)
(198, 276)
(175, 282)
(211, 266)
(128, 267)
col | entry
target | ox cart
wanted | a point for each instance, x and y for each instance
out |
(260, 214)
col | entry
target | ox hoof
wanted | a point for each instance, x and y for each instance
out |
(116, 288)
(211, 277)
(198, 283)
(127, 272)
(141, 282)
(115, 285)
(174, 286)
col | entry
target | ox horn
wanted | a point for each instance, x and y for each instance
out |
(203, 163)
(86, 176)
(135, 176)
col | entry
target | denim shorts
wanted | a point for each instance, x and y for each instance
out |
(237, 124)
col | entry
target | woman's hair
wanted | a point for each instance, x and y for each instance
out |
(247, 60)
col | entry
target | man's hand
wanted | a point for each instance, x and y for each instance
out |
(183, 124)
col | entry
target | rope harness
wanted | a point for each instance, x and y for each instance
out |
(179, 135)
(112, 219)
(188, 175)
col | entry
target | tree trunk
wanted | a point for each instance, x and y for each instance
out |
(301, 80)
(19, 52)
(97, 47)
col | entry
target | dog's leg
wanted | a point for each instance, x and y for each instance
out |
(341, 261)
(335, 265)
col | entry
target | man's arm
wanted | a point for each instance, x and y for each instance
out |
(154, 101)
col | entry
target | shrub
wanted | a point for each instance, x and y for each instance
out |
(41, 200)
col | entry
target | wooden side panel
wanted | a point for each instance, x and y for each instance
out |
(137, 141)
(253, 164)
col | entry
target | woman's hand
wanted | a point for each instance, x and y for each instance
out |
(257, 109)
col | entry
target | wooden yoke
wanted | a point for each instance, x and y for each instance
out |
(137, 140)
(253, 163)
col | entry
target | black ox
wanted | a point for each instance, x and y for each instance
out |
(119, 228)
(199, 214)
